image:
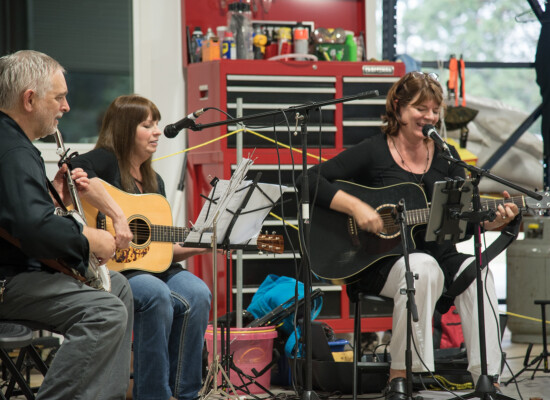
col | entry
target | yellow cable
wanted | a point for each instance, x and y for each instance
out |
(286, 222)
(199, 145)
(232, 133)
(254, 133)
(447, 384)
(283, 145)
(525, 317)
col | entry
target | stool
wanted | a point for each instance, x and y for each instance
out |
(16, 336)
(358, 366)
(542, 356)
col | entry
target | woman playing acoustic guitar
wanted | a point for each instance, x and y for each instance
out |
(401, 155)
(172, 307)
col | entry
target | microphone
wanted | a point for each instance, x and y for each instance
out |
(430, 132)
(172, 130)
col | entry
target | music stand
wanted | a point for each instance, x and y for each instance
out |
(215, 367)
(450, 198)
(234, 212)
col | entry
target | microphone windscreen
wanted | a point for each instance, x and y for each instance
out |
(170, 131)
(426, 129)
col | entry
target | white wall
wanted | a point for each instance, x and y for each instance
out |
(158, 75)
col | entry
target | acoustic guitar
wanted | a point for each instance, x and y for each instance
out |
(150, 220)
(340, 251)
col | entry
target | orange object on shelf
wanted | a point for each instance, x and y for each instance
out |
(211, 49)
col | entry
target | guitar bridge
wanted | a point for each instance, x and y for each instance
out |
(353, 232)
(101, 221)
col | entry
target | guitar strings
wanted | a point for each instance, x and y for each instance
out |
(386, 218)
(418, 214)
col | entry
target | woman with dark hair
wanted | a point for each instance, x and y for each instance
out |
(171, 308)
(403, 154)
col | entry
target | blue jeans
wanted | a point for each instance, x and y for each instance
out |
(170, 319)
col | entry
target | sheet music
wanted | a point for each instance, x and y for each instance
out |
(225, 199)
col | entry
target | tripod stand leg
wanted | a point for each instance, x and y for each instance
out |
(537, 367)
(214, 369)
(485, 390)
(526, 368)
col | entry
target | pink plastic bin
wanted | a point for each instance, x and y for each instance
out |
(251, 348)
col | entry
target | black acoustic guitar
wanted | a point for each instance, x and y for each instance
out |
(340, 251)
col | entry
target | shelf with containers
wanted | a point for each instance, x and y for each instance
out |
(271, 85)
(343, 16)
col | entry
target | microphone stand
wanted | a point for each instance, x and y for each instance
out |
(303, 211)
(308, 393)
(485, 389)
(409, 291)
(294, 109)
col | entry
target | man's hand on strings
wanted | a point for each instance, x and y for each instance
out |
(79, 177)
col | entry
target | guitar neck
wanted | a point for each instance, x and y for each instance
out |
(421, 216)
(163, 233)
(492, 204)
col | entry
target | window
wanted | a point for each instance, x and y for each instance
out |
(489, 31)
(92, 39)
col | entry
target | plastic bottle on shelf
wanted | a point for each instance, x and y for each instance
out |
(350, 47)
(301, 41)
(259, 42)
(239, 21)
(284, 40)
(195, 51)
(209, 34)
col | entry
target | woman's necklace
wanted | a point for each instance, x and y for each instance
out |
(419, 181)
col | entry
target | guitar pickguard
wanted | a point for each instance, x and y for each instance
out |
(131, 254)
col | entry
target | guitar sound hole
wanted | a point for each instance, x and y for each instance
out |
(141, 231)
(390, 227)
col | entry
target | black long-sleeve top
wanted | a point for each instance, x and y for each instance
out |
(371, 164)
(27, 209)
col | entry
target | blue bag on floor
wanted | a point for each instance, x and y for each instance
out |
(275, 291)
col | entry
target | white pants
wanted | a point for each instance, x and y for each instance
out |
(429, 287)
(466, 304)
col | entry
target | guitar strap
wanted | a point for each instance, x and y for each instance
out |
(465, 279)
(56, 195)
